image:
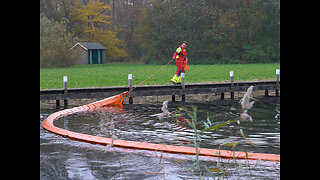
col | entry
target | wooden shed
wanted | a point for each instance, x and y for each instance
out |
(89, 53)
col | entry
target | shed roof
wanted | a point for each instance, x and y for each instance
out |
(89, 45)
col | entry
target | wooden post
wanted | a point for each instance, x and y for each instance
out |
(65, 88)
(57, 104)
(183, 86)
(222, 96)
(130, 87)
(173, 98)
(278, 79)
(232, 84)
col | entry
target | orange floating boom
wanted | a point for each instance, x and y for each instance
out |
(117, 100)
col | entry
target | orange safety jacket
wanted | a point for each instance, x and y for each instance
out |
(180, 54)
(181, 59)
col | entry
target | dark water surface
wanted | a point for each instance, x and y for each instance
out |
(61, 158)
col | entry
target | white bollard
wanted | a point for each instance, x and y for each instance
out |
(130, 87)
(65, 88)
(231, 81)
(183, 86)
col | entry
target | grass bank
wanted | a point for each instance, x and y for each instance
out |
(116, 74)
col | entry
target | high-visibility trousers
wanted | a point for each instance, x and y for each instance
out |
(180, 66)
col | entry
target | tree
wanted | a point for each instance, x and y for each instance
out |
(87, 19)
(55, 43)
(220, 31)
(115, 47)
(91, 24)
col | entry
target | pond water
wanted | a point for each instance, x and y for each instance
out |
(61, 158)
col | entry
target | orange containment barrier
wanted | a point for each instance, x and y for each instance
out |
(117, 100)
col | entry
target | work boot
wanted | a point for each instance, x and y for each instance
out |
(174, 80)
(179, 80)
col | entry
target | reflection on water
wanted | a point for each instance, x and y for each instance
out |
(77, 167)
(62, 158)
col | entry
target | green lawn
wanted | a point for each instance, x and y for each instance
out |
(117, 74)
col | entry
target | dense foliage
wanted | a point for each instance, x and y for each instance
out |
(220, 31)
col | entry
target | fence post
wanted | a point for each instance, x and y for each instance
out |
(183, 86)
(173, 98)
(232, 85)
(57, 104)
(278, 79)
(65, 88)
(130, 87)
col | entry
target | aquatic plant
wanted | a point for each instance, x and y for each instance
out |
(216, 171)
(209, 125)
(197, 167)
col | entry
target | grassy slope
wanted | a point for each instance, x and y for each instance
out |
(117, 74)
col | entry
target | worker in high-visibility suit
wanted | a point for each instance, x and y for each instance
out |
(180, 55)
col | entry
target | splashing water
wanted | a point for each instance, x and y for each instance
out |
(246, 105)
(165, 111)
